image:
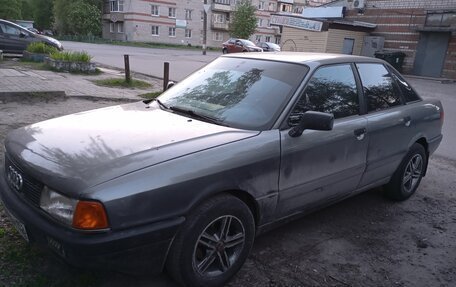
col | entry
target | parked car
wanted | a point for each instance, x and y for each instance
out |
(247, 142)
(269, 47)
(239, 45)
(34, 30)
(15, 39)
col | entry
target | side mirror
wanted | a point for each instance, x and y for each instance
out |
(313, 121)
(22, 34)
(170, 84)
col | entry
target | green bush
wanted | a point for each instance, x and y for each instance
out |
(40, 48)
(71, 56)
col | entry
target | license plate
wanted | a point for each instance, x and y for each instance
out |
(20, 227)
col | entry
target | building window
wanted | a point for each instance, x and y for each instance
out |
(277, 40)
(188, 33)
(155, 31)
(260, 22)
(217, 36)
(261, 5)
(116, 5)
(111, 27)
(172, 31)
(120, 27)
(219, 18)
(188, 14)
(154, 10)
(272, 7)
(267, 39)
(258, 38)
(202, 15)
(172, 12)
(226, 2)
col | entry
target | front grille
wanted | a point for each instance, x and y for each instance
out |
(31, 188)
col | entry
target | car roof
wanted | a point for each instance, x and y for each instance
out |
(12, 23)
(310, 59)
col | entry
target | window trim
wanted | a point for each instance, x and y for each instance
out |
(395, 85)
(297, 96)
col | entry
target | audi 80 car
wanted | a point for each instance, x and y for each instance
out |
(185, 182)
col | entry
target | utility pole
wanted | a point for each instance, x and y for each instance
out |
(206, 8)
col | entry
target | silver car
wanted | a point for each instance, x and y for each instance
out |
(188, 180)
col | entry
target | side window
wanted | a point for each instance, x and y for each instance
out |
(378, 87)
(332, 89)
(407, 91)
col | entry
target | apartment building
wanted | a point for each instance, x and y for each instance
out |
(181, 21)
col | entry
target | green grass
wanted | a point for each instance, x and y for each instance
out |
(151, 95)
(40, 48)
(71, 56)
(120, 82)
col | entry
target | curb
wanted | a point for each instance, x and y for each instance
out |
(47, 96)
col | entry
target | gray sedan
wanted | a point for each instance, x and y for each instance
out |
(188, 180)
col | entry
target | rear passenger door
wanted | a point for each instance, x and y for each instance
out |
(323, 166)
(388, 122)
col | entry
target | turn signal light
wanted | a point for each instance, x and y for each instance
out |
(90, 215)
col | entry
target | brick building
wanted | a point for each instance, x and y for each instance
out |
(425, 30)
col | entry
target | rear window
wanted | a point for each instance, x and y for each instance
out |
(378, 86)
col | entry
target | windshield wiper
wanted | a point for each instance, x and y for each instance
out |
(192, 114)
(162, 104)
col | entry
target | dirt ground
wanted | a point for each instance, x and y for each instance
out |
(363, 241)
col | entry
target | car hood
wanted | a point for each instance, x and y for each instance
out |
(81, 150)
(49, 40)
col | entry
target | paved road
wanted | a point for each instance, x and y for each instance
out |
(146, 60)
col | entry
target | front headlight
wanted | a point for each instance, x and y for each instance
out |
(80, 214)
(58, 206)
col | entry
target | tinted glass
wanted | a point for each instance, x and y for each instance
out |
(331, 89)
(407, 91)
(241, 93)
(9, 29)
(378, 87)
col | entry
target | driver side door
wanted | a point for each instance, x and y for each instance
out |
(321, 167)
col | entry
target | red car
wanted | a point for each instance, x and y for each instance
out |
(239, 45)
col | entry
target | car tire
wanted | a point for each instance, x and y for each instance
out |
(200, 254)
(408, 175)
(224, 51)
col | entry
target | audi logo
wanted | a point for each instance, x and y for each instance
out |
(14, 178)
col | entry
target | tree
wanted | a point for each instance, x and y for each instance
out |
(244, 22)
(10, 9)
(27, 10)
(84, 19)
(41, 13)
(80, 17)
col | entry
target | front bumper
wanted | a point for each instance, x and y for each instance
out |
(138, 250)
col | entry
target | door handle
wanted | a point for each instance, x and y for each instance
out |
(407, 121)
(360, 133)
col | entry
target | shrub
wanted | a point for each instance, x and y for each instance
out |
(71, 56)
(41, 48)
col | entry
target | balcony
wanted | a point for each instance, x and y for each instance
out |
(222, 7)
(114, 16)
(220, 26)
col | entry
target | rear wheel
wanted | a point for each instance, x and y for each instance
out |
(213, 244)
(407, 177)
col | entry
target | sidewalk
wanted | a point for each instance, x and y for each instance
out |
(19, 78)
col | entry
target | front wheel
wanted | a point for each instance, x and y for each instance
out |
(407, 177)
(224, 51)
(213, 244)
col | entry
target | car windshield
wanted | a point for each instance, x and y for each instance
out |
(237, 92)
(272, 45)
(247, 43)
